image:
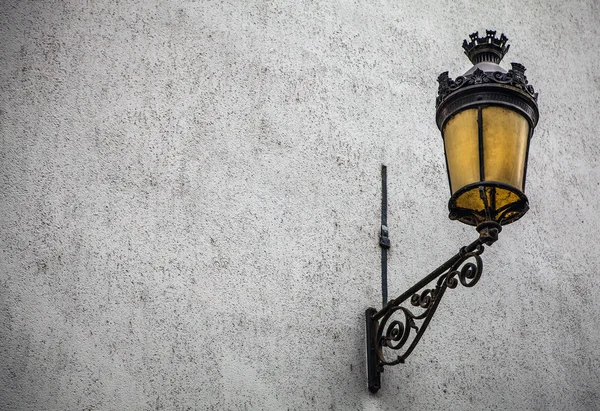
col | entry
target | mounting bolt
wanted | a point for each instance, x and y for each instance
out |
(384, 237)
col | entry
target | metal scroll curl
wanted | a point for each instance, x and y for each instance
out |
(515, 77)
(395, 331)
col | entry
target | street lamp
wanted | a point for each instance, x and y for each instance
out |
(486, 117)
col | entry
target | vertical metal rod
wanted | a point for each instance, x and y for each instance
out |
(384, 239)
(527, 157)
(480, 137)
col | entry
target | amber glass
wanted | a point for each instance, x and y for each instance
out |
(503, 148)
(496, 197)
(505, 134)
(461, 140)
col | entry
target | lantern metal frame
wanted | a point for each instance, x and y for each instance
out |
(390, 328)
(485, 85)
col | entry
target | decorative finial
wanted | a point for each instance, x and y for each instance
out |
(488, 48)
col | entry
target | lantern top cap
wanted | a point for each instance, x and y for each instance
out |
(486, 49)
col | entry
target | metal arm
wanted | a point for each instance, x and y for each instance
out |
(394, 335)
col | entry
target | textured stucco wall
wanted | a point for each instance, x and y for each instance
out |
(189, 206)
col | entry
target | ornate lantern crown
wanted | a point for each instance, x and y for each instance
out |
(487, 48)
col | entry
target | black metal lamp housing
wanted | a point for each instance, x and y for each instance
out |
(487, 117)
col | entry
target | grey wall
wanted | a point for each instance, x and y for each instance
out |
(189, 206)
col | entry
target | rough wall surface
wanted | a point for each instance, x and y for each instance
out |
(189, 206)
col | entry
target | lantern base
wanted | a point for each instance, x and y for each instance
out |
(484, 201)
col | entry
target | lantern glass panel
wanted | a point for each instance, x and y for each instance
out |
(462, 149)
(505, 135)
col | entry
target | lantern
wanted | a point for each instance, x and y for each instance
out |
(487, 117)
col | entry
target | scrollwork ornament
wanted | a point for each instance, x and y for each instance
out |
(514, 77)
(470, 273)
(395, 329)
(478, 77)
(425, 299)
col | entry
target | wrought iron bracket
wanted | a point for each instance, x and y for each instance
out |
(384, 333)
